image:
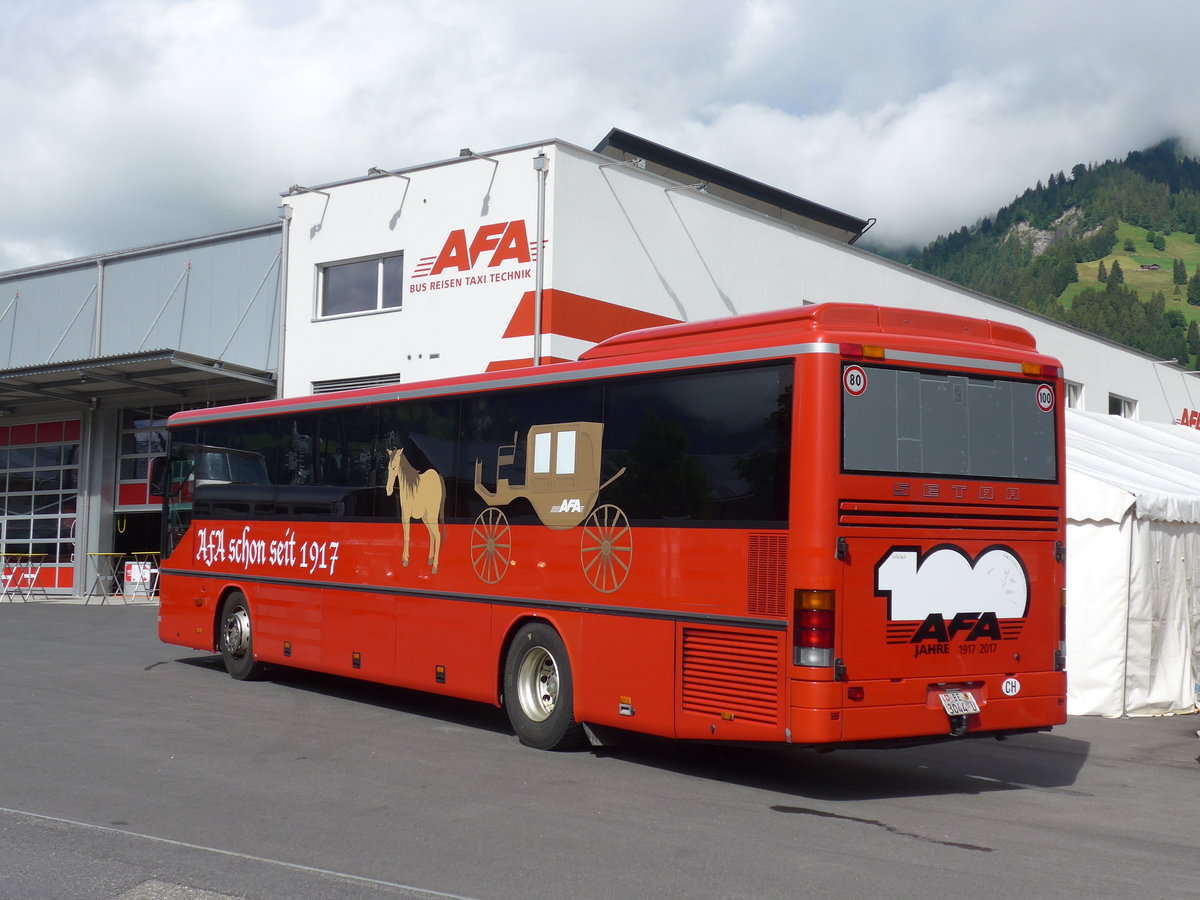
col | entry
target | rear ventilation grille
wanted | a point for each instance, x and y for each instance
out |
(766, 592)
(959, 516)
(353, 384)
(731, 674)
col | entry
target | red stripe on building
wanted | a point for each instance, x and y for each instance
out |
(582, 318)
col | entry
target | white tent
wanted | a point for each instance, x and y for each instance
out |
(1133, 563)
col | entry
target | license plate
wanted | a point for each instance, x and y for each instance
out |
(958, 703)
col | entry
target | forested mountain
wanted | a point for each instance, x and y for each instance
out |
(1113, 248)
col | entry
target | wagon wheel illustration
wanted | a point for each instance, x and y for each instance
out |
(491, 545)
(606, 548)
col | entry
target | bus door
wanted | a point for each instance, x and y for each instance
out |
(174, 479)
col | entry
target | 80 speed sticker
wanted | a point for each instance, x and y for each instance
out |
(854, 380)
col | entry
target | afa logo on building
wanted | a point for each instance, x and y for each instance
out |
(490, 247)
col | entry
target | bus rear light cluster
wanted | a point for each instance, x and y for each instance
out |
(861, 351)
(813, 628)
(1039, 371)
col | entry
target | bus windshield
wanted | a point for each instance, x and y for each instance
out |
(229, 466)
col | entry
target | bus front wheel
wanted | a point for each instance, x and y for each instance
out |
(538, 690)
(237, 642)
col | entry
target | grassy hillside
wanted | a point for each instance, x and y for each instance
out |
(1042, 251)
(1179, 245)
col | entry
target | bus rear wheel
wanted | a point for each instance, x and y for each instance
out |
(538, 690)
(237, 641)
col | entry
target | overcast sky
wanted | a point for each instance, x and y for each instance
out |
(129, 122)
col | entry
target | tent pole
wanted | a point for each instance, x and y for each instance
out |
(1132, 519)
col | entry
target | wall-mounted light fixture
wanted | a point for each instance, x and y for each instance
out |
(468, 153)
(301, 189)
(635, 161)
(375, 170)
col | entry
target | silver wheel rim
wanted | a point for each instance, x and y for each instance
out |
(537, 684)
(236, 634)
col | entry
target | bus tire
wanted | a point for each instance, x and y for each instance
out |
(539, 690)
(236, 640)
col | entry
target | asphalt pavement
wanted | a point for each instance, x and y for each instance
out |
(136, 770)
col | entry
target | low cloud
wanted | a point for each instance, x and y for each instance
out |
(134, 122)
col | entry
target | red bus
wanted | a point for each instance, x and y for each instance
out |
(841, 524)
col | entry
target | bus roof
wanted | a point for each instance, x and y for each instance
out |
(836, 321)
(828, 323)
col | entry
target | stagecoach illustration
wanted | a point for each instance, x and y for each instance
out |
(562, 483)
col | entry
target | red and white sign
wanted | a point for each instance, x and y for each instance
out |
(854, 380)
(138, 573)
(1045, 397)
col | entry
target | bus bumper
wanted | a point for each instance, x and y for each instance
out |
(853, 712)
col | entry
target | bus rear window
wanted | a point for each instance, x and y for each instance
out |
(939, 424)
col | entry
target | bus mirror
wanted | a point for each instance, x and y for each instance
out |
(160, 471)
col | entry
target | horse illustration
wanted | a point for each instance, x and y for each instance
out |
(422, 496)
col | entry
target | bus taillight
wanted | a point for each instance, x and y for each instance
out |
(862, 351)
(1039, 370)
(813, 628)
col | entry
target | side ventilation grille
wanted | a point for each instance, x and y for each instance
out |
(731, 674)
(766, 593)
(351, 384)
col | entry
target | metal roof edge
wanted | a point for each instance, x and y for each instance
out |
(435, 164)
(180, 356)
(80, 261)
(625, 142)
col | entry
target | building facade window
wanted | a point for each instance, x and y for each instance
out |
(361, 286)
(1121, 406)
(39, 482)
(143, 436)
(1074, 395)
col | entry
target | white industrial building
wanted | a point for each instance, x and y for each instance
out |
(633, 234)
(481, 261)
